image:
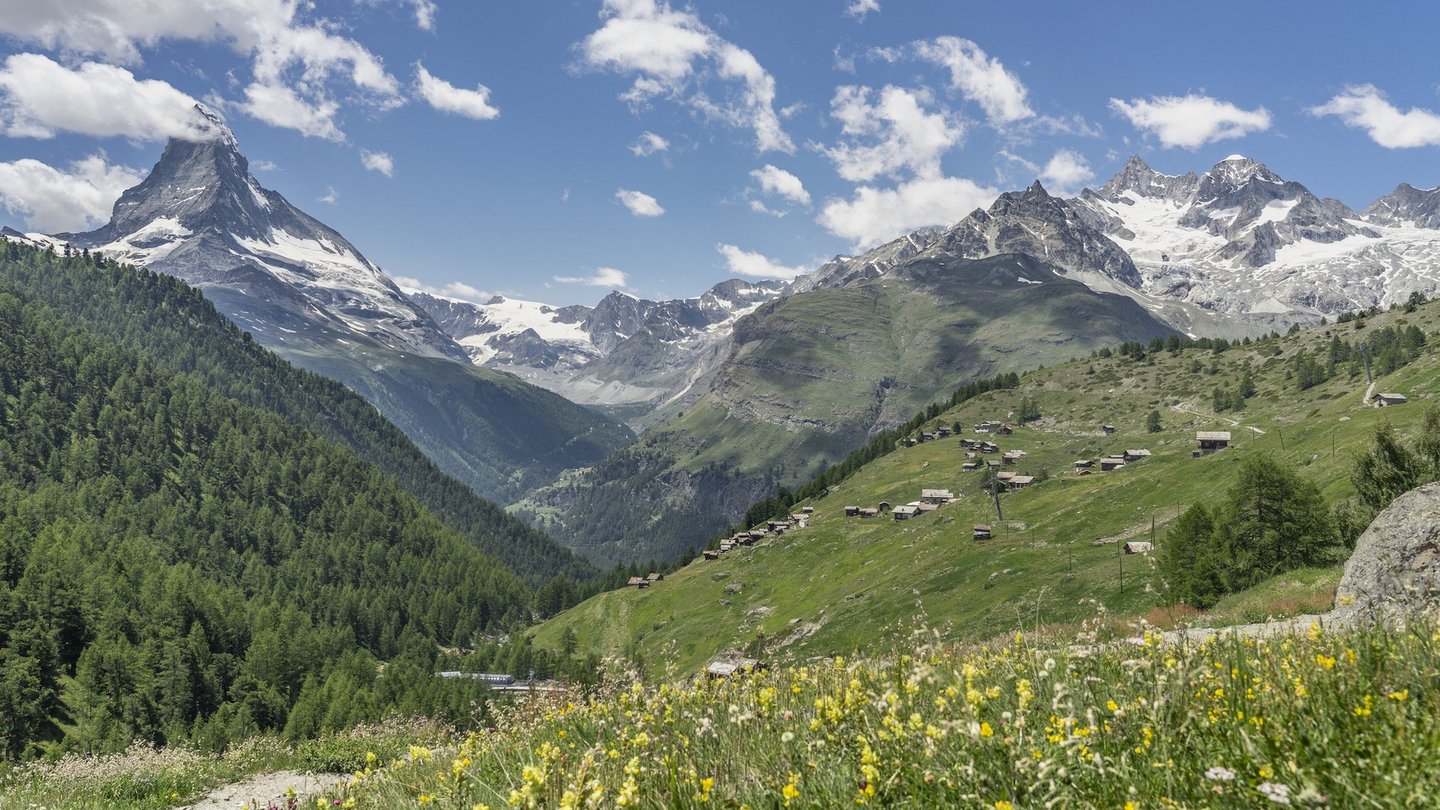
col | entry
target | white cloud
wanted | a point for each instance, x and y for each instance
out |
(755, 265)
(1066, 173)
(297, 59)
(648, 144)
(639, 203)
(761, 208)
(280, 106)
(39, 97)
(859, 8)
(891, 134)
(979, 78)
(378, 162)
(425, 11)
(452, 289)
(54, 200)
(602, 277)
(783, 184)
(1364, 106)
(261, 165)
(672, 53)
(330, 197)
(1014, 158)
(446, 97)
(874, 215)
(1191, 121)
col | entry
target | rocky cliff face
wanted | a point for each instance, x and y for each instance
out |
(1048, 228)
(1407, 205)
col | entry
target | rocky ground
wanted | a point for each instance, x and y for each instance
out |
(268, 790)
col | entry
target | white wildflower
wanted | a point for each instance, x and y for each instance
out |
(1275, 792)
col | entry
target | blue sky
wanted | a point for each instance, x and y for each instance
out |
(483, 148)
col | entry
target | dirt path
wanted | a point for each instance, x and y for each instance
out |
(1195, 635)
(1233, 422)
(267, 790)
(1281, 627)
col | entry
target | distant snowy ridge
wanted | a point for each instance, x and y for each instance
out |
(622, 351)
(1241, 239)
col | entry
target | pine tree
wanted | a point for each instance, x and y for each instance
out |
(1278, 521)
(1386, 471)
(1029, 410)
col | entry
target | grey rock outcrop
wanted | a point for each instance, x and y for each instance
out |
(1395, 568)
(1049, 228)
(1407, 205)
(1137, 176)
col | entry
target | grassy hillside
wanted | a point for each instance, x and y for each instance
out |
(812, 376)
(847, 584)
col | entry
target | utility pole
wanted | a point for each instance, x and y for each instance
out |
(995, 495)
(1281, 431)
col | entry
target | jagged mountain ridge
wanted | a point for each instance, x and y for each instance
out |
(624, 351)
(1238, 215)
(1407, 205)
(304, 291)
(1240, 239)
(202, 217)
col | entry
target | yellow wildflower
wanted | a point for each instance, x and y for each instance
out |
(790, 792)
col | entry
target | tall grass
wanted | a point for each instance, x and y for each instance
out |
(1346, 718)
(143, 776)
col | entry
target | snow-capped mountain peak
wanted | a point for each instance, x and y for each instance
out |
(1241, 238)
(1236, 174)
(200, 215)
(1139, 180)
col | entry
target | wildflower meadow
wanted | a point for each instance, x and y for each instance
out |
(1341, 718)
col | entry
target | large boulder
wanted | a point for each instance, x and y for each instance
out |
(1396, 565)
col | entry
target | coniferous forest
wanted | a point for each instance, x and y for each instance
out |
(196, 548)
